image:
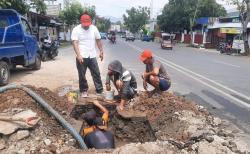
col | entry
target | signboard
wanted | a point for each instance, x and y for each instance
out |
(53, 10)
(230, 30)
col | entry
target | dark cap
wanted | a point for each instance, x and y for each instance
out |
(90, 117)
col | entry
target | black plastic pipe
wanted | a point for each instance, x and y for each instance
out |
(51, 111)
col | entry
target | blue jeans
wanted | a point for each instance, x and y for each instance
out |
(92, 64)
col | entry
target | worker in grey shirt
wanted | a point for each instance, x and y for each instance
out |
(155, 73)
(123, 80)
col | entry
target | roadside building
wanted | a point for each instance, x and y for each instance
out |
(224, 29)
(115, 28)
(48, 24)
(44, 25)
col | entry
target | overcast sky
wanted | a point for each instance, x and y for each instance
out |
(117, 8)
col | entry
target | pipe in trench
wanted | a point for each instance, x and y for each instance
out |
(49, 109)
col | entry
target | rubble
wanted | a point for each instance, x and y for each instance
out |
(21, 134)
(47, 141)
(211, 148)
(216, 121)
(2, 144)
(30, 139)
(8, 127)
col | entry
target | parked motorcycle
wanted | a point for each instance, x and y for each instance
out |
(49, 49)
(221, 46)
(225, 48)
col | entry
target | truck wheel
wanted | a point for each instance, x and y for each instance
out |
(37, 64)
(4, 73)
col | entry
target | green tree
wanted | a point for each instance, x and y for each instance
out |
(90, 11)
(72, 13)
(18, 5)
(178, 15)
(136, 18)
(144, 30)
(244, 9)
(103, 24)
(39, 5)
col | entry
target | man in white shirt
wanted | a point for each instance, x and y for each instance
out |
(85, 37)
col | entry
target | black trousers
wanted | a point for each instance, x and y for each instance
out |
(92, 64)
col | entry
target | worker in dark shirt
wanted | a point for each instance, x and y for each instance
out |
(123, 80)
(97, 135)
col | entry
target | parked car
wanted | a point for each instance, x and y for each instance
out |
(130, 37)
(17, 44)
(147, 38)
(238, 44)
(103, 35)
(123, 35)
(166, 41)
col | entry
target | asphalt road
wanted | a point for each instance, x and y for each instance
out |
(219, 82)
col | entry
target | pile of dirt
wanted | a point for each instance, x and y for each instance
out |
(158, 104)
(162, 110)
(49, 133)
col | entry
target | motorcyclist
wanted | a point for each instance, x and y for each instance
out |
(113, 37)
(228, 47)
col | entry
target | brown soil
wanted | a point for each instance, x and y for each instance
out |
(19, 99)
(165, 103)
(161, 112)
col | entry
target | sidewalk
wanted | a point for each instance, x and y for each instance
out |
(54, 74)
(209, 50)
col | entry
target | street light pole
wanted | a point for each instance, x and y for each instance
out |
(151, 9)
(151, 15)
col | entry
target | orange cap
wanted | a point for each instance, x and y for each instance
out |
(86, 20)
(145, 55)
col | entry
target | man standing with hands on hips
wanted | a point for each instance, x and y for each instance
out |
(85, 37)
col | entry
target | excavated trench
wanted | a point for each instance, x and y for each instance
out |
(127, 127)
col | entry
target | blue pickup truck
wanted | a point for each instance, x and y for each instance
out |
(17, 44)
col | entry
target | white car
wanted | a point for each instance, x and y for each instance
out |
(238, 44)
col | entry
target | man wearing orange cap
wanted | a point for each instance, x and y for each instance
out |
(85, 37)
(155, 73)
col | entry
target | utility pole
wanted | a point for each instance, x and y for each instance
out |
(151, 9)
(151, 20)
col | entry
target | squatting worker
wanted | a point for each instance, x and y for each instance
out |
(85, 37)
(96, 135)
(155, 73)
(123, 80)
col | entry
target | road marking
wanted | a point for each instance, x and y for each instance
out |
(195, 76)
(228, 64)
